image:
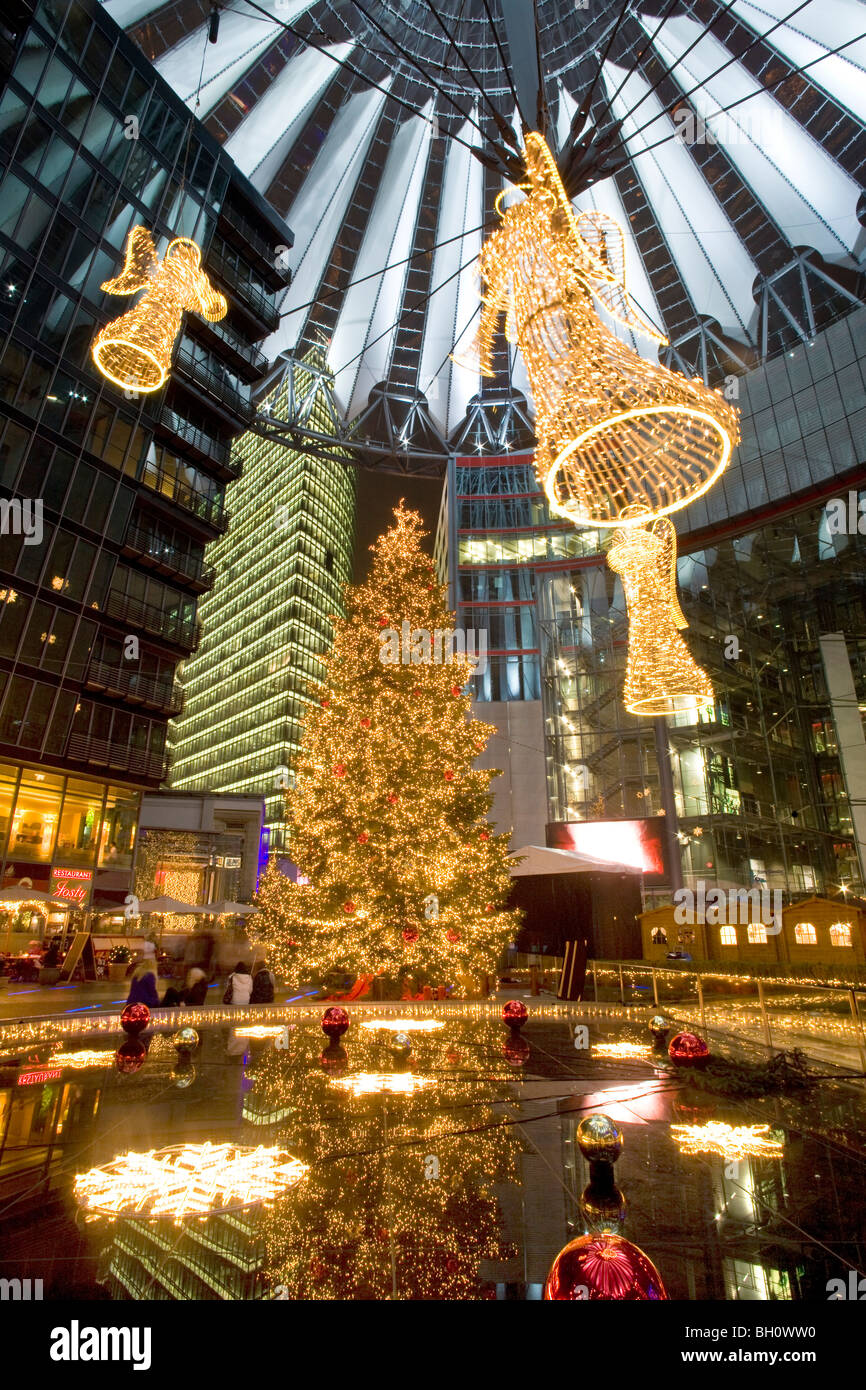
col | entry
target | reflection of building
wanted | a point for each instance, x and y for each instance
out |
(280, 575)
(198, 848)
(98, 601)
(219, 1257)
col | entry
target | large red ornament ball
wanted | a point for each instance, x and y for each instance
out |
(448, 775)
(515, 1013)
(604, 1268)
(349, 908)
(340, 770)
(135, 1019)
(410, 934)
(335, 1021)
(130, 1056)
(452, 935)
(334, 1058)
(688, 1050)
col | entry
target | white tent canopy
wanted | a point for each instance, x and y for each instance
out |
(537, 859)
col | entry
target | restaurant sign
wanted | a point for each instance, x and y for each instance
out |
(73, 885)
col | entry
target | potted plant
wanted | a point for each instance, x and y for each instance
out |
(118, 960)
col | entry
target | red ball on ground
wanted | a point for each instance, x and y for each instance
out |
(515, 1013)
(604, 1268)
(688, 1050)
(516, 1050)
(135, 1019)
(335, 1021)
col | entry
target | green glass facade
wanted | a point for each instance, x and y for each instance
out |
(280, 575)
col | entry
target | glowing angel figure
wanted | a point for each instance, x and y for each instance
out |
(661, 676)
(134, 351)
(615, 432)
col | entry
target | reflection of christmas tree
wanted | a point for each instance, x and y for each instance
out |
(387, 819)
(392, 1200)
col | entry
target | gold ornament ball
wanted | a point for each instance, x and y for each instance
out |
(600, 1139)
(185, 1040)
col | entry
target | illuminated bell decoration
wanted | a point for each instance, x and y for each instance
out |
(603, 1268)
(599, 1139)
(135, 1019)
(134, 351)
(661, 675)
(130, 1057)
(613, 429)
(335, 1021)
(515, 1014)
(659, 1026)
(688, 1050)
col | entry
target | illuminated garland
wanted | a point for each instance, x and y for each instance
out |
(614, 430)
(134, 351)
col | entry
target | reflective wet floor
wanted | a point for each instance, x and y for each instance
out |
(448, 1171)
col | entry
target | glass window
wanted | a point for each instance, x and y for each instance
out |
(728, 936)
(13, 614)
(15, 442)
(61, 720)
(38, 634)
(79, 823)
(757, 933)
(118, 828)
(36, 720)
(8, 778)
(840, 934)
(805, 934)
(34, 821)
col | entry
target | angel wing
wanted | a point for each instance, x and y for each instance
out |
(204, 299)
(667, 566)
(605, 239)
(140, 264)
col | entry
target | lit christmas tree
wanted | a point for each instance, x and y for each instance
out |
(404, 877)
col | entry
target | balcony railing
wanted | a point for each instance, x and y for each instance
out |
(167, 558)
(184, 632)
(261, 304)
(102, 752)
(204, 445)
(166, 696)
(254, 242)
(209, 509)
(214, 385)
(247, 352)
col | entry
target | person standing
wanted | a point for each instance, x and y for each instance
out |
(239, 985)
(263, 985)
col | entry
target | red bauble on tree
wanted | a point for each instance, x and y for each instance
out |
(393, 798)
(326, 704)
(452, 935)
(448, 775)
(339, 770)
(604, 1268)
(363, 837)
(484, 835)
(383, 622)
(410, 935)
(349, 908)
(455, 691)
(365, 723)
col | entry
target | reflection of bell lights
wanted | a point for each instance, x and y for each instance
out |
(404, 1025)
(614, 430)
(603, 1267)
(259, 1030)
(187, 1180)
(731, 1141)
(80, 1061)
(626, 1051)
(369, 1083)
(134, 351)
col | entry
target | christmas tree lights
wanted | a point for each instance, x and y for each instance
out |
(134, 351)
(400, 873)
(615, 431)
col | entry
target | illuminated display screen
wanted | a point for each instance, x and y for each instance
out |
(636, 844)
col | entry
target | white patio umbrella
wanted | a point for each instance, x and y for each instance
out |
(10, 897)
(538, 859)
(168, 905)
(225, 908)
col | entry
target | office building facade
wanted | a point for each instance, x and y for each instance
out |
(108, 498)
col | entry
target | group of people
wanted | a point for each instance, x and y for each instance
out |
(242, 987)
